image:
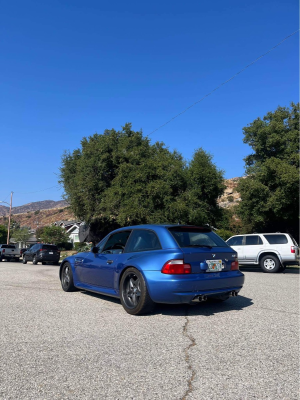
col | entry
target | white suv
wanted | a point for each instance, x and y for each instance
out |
(272, 251)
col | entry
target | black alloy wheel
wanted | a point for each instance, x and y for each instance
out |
(135, 297)
(34, 260)
(66, 278)
(24, 260)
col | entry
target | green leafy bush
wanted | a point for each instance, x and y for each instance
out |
(224, 233)
(65, 246)
(81, 246)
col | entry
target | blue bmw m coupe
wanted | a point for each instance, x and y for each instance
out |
(147, 264)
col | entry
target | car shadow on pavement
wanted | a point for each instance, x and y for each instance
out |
(251, 268)
(206, 308)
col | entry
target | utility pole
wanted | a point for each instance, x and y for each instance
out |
(11, 195)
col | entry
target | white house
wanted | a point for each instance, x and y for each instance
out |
(72, 229)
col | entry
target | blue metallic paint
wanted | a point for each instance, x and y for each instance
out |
(91, 271)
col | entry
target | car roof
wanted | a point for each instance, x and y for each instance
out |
(155, 226)
(266, 233)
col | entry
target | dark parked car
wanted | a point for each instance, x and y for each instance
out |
(22, 251)
(42, 253)
(147, 264)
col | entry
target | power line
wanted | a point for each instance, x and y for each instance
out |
(222, 84)
(37, 191)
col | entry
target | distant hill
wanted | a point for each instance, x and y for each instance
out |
(231, 196)
(37, 205)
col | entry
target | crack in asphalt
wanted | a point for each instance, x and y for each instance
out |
(190, 387)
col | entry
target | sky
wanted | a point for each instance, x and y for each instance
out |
(70, 68)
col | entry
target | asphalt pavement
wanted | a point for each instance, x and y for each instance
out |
(57, 345)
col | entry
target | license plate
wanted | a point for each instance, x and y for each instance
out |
(214, 265)
(50, 252)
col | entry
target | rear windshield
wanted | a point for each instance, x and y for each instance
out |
(49, 247)
(276, 239)
(196, 237)
(8, 246)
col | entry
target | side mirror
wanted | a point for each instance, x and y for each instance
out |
(95, 250)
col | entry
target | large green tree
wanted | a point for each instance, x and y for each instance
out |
(121, 179)
(270, 191)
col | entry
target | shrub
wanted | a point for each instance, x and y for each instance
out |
(81, 246)
(224, 233)
(65, 246)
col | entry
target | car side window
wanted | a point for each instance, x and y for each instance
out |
(116, 243)
(253, 240)
(276, 239)
(142, 240)
(235, 241)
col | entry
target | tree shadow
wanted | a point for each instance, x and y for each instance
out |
(252, 268)
(206, 308)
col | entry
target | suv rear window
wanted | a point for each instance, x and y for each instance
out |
(196, 237)
(276, 239)
(253, 240)
(49, 247)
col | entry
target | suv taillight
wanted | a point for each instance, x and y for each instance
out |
(3, 251)
(234, 265)
(175, 267)
(293, 250)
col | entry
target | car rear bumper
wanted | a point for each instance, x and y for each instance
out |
(291, 260)
(184, 288)
(9, 256)
(48, 258)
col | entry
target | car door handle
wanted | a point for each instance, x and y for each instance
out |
(109, 261)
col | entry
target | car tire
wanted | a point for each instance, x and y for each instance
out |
(270, 264)
(17, 259)
(24, 261)
(43, 263)
(34, 260)
(66, 278)
(134, 294)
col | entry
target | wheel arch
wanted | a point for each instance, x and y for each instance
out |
(137, 268)
(269, 253)
(61, 267)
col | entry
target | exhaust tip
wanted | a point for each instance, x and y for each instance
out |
(199, 299)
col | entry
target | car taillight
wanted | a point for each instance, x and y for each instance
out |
(3, 251)
(293, 249)
(176, 267)
(41, 249)
(234, 265)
